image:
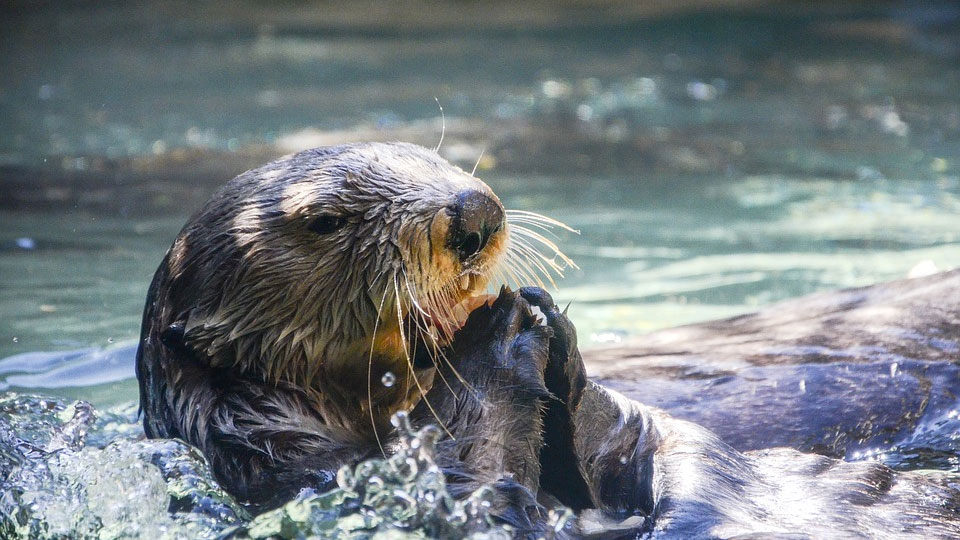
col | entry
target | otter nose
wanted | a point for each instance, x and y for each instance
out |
(476, 217)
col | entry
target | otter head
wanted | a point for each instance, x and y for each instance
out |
(321, 270)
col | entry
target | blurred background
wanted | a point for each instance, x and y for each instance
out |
(715, 155)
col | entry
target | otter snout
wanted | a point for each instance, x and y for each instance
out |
(475, 218)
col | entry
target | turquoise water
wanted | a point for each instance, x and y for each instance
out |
(653, 258)
(718, 162)
(712, 161)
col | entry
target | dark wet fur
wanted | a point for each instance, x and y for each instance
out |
(532, 426)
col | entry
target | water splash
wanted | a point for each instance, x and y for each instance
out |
(68, 470)
(403, 496)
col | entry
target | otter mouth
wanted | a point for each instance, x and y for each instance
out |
(446, 327)
(442, 322)
(512, 253)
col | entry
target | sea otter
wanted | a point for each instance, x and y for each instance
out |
(311, 298)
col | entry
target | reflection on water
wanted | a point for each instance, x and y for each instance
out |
(649, 257)
(713, 162)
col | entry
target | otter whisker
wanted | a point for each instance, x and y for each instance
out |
(537, 259)
(448, 315)
(416, 341)
(406, 354)
(443, 302)
(547, 221)
(537, 224)
(520, 277)
(426, 327)
(421, 330)
(412, 297)
(506, 273)
(443, 124)
(521, 261)
(523, 221)
(533, 235)
(499, 276)
(477, 164)
(470, 388)
(539, 238)
(373, 342)
(521, 268)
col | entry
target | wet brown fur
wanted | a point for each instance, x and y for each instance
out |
(264, 343)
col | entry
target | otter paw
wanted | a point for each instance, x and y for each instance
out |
(502, 344)
(565, 375)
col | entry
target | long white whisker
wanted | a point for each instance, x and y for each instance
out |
(524, 268)
(406, 353)
(540, 217)
(443, 124)
(477, 164)
(538, 258)
(533, 235)
(441, 301)
(515, 261)
(531, 258)
(373, 342)
(413, 297)
(523, 221)
(422, 330)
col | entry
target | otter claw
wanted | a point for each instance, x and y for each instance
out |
(503, 341)
(565, 375)
(564, 333)
(537, 297)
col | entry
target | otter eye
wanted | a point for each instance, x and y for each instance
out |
(327, 223)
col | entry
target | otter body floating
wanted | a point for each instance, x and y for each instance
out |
(302, 285)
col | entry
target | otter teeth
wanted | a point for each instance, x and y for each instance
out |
(465, 282)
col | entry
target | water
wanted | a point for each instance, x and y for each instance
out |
(713, 162)
(650, 257)
(71, 471)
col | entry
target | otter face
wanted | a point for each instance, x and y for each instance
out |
(335, 260)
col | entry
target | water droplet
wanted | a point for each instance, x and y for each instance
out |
(388, 379)
(623, 460)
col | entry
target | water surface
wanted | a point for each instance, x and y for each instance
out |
(713, 162)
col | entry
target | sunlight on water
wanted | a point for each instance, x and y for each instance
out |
(713, 163)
